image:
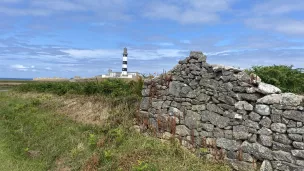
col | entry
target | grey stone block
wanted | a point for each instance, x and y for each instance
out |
(227, 144)
(262, 109)
(283, 156)
(265, 140)
(240, 132)
(266, 122)
(278, 127)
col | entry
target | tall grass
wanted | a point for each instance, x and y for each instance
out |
(108, 87)
(35, 137)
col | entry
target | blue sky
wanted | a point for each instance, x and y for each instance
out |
(65, 38)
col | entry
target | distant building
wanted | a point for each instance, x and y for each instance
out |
(50, 79)
(124, 73)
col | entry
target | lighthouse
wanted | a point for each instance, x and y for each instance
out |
(124, 73)
(125, 63)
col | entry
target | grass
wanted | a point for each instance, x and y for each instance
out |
(28, 129)
(36, 136)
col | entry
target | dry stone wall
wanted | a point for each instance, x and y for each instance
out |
(227, 114)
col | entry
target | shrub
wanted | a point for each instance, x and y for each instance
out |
(108, 87)
(284, 77)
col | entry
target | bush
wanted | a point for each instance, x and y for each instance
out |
(284, 77)
(108, 87)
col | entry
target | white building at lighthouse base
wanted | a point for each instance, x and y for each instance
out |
(120, 75)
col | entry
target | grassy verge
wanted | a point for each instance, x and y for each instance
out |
(35, 136)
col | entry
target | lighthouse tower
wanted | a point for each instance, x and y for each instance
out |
(125, 63)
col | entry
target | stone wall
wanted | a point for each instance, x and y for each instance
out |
(226, 114)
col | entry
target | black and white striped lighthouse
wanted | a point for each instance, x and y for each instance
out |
(125, 62)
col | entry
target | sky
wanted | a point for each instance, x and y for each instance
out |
(66, 38)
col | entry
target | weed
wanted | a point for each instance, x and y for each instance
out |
(204, 150)
(117, 135)
(240, 154)
(159, 124)
(221, 154)
(254, 163)
(143, 166)
(107, 154)
(77, 150)
(192, 138)
(173, 126)
(204, 143)
(92, 140)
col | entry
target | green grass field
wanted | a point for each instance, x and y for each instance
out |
(37, 135)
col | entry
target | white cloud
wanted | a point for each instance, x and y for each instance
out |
(287, 26)
(98, 24)
(277, 16)
(165, 44)
(103, 24)
(2, 45)
(10, 1)
(289, 48)
(57, 5)
(187, 11)
(157, 54)
(19, 67)
(114, 9)
(185, 41)
(227, 52)
(24, 11)
(278, 7)
(139, 54)
(95, 53)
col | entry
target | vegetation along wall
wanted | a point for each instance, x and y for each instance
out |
(226, 114)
